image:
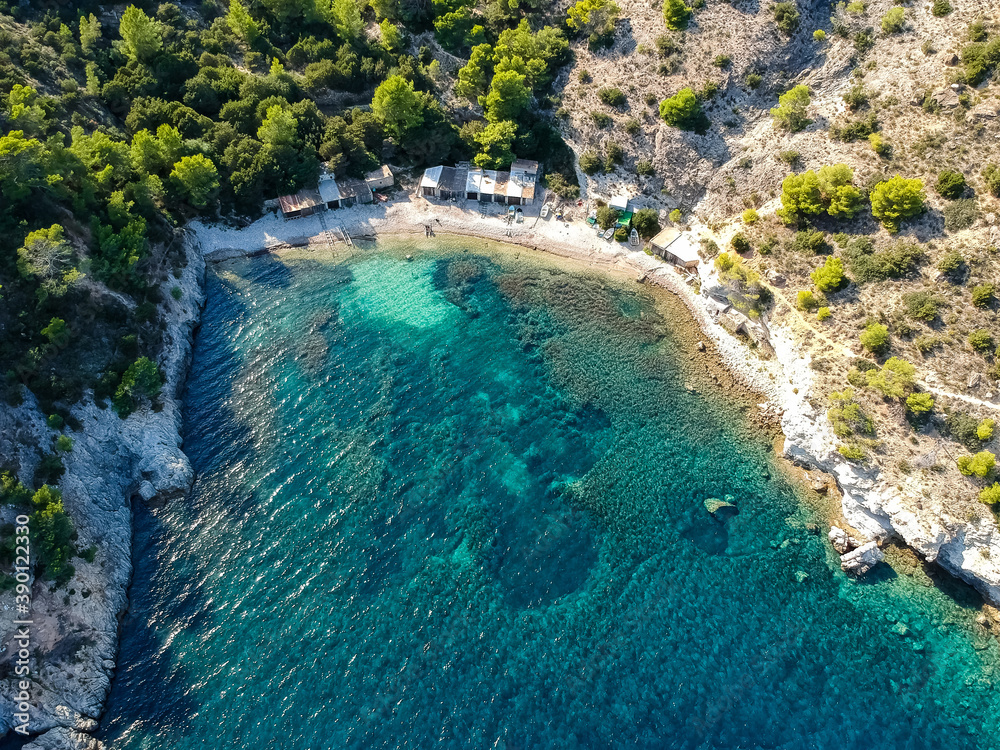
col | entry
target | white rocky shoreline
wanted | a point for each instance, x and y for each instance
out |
(114, 461)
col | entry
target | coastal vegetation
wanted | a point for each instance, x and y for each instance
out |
(116, 130)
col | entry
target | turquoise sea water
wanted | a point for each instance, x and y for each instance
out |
(458, 502)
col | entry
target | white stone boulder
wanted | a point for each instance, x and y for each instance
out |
(859, 561)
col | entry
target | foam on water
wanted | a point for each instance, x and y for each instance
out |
(458, 502)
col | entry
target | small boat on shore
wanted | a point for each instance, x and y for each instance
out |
(609, 234)
(545, 211)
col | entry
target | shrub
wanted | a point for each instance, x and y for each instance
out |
(894, 262)
(644, 168)
(875, 338)
(864, 40)
(894, 380)
(807, 301)
(991, 176)
(590, 162)
(852, 452)
(981, 340)
(584, 76)
(897, 199)
(921, 305)
(55, 422)
(611, 96)
(990, 495)
(675, 216)
(984, 431)
(855, 130)
(919, 403)
(676, 14)
(951, 262)
(632, 126)
(856, 97)
(750, 217)
(964, 428)
(829, 276)
(740, 243)
(722, 61)
(790, 114)
(786, 16)
(941, 8)
(846, 416)
(819, 36)
(880, 146)
(601, 119)
(811, 242)
(892, 21)
(621, 234)
(823, 313)
(64, 444)
(667, 45)
(960, 214)
(789, 157)
(982, 295)
(725, 262)
(607, 217)
(683, 110)
(979, 465)
(753, 80)
(615, 154)
(176, 292)
(950, 184)
(646, 222)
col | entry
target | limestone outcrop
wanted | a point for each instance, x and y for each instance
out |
(968, 549)
(859, 561)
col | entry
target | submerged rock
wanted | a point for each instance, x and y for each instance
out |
(860, 561)
(721, 509)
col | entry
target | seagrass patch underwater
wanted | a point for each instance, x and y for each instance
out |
(459, 502)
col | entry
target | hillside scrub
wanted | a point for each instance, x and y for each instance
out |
(676, 14)
(895, 261)
(786, 16)
(683, 111)
(830, 276)
(875, 338)
(950, 184)
(896, 200)
(790, 114)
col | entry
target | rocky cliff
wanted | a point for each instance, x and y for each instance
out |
(967, 547)
(75, 628)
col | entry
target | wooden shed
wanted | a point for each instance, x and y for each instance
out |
(675, 247)
(303, 203)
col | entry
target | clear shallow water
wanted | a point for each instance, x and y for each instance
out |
(458, 502)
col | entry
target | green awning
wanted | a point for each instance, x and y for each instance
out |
(625, 218)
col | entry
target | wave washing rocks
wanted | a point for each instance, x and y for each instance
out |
(75, 628)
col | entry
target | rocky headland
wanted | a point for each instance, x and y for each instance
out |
(113, 462)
